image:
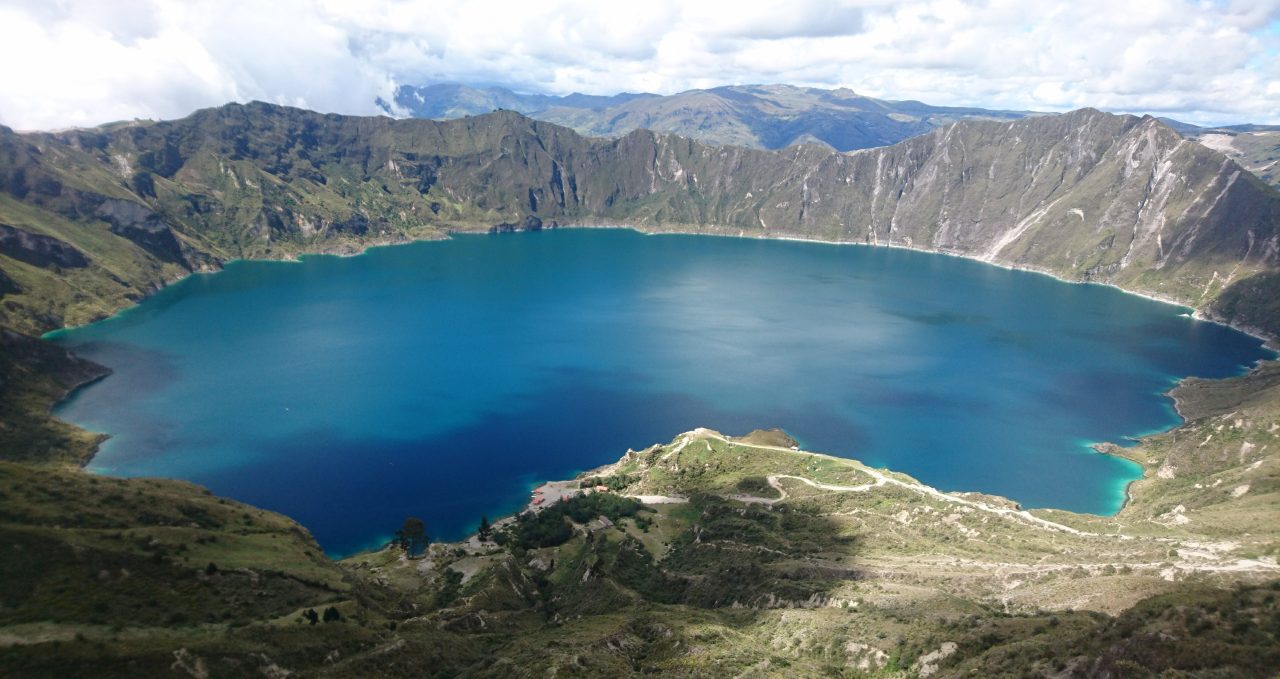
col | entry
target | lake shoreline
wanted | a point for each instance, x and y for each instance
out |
(346, 250)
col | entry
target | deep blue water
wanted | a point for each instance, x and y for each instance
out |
(443, 379)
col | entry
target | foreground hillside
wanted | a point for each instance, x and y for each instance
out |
(706, 556)
(92, 220)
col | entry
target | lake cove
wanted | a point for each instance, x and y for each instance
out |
(443, 379)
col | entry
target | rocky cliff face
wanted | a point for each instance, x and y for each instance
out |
(1084, 195)
(38, 250)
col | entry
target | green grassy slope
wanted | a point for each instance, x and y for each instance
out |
(874, 572)
(34, 375)
(112, 577)
(764, 561)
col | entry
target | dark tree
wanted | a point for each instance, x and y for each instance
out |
(412, 536)
(311, 616)
(211, 569)
(332, 614)
(485, 528)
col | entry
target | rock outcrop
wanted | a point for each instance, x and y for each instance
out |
(141, 225)
(38, 250)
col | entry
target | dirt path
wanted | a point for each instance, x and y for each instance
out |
(882, 479)
(659, 499)
(684, 441)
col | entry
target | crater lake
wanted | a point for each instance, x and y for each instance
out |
(444, 379)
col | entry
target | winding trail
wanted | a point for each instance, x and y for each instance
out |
(1192, 556)
(684, 441)
(882, 479)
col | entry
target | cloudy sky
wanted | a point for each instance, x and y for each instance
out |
(83, 62)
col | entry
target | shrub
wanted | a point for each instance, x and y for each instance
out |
(549, 527)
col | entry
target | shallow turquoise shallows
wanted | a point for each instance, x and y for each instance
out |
(443, 379)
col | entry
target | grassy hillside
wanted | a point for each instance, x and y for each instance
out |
(745, 557)
(755, 559)
(721, 556)
(115, 578)
(35, 375)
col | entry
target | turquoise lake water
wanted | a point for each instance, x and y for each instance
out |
(443, 379)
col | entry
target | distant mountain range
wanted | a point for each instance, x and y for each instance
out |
(452, 100)
(777, 116)
(754, 116)
(1255, 147)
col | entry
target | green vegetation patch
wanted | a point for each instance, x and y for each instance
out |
(551, 526)
(34, 375)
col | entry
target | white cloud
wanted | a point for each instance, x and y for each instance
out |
(82, 62)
